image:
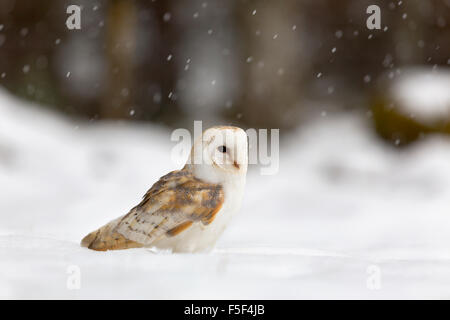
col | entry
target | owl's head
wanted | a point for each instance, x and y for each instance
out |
(220, 151)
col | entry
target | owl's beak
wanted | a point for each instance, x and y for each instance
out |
(236, 165)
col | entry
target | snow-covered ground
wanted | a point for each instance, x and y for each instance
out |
(345, 214)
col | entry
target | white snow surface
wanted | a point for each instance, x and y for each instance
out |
(424, 94)
(342, 204)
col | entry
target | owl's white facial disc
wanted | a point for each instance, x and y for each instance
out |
(221, 152)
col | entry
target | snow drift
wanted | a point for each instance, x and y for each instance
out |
(342, 205)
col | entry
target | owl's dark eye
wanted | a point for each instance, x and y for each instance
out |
(222, 149)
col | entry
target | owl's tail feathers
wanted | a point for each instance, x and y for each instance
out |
(106, 239)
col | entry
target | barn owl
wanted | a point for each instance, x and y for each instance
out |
(188, 209)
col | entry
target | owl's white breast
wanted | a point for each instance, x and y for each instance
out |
(201, 237)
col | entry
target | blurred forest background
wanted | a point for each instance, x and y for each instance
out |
(270, 64)
(312, 68)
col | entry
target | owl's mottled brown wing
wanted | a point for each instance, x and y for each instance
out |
(172, 205)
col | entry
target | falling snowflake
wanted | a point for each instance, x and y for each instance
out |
(157, 97)
(167, 16)
(125, 92)
(330, 89)
(23, 32)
